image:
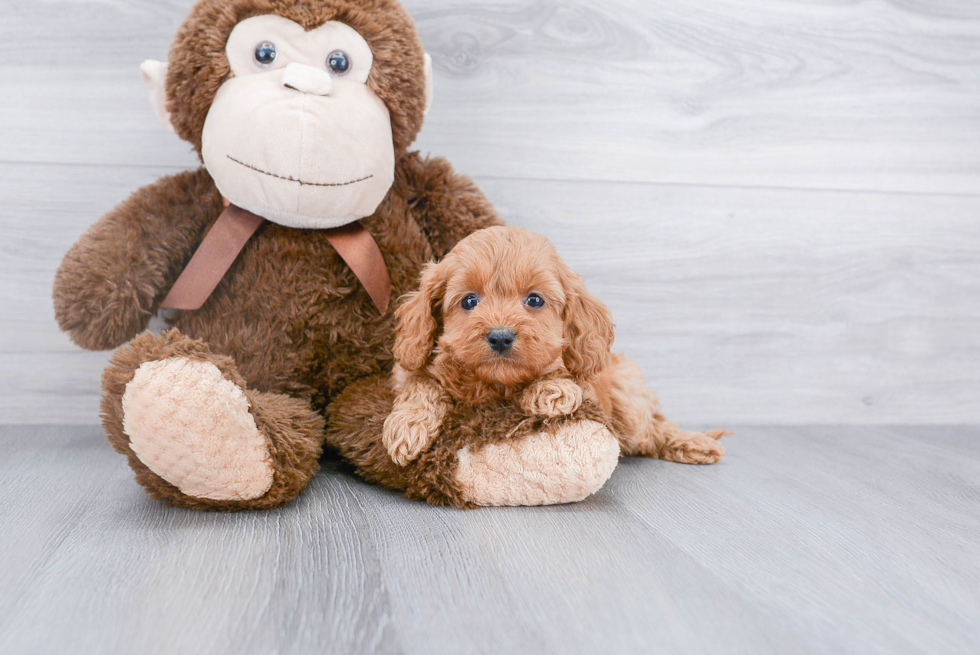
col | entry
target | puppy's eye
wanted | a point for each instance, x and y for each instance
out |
(535, 301)
(265, 54)
(470, 302)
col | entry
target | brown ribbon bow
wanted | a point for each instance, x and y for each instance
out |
(228, 236)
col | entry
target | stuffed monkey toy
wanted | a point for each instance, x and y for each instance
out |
(279, 257)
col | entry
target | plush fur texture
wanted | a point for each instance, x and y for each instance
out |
(294, 431)
(289, 325)
(566, 466)
(169, 403)
(435, 475)
(290, 312)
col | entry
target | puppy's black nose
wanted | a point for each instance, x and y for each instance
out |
(501, 339)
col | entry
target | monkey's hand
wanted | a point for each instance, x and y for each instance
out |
(99, 308)
(111, 282)
(415, 420)
(559, 397)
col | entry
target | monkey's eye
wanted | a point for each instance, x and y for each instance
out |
(265, 54)
(338, 62)
(535, 301)
(470, 302)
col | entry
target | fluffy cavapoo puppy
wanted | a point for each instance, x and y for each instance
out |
(503, 317)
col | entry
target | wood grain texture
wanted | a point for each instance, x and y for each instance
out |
(803, 540)
(796, 306)
(869, 96)
(779, 200)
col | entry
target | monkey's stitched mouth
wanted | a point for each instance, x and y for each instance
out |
(292, 179)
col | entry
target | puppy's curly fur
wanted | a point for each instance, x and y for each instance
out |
(507, 280)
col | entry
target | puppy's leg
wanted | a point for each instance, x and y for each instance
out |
(416, 418)
(676, 445)
(641, 428)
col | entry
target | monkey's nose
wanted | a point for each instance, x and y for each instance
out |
(501, 339)
(307, 79)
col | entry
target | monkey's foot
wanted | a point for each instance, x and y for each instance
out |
(193, 428)
(541, 469)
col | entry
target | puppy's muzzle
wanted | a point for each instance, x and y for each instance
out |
(501, 339)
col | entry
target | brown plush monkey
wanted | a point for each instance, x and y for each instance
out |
(302, 112)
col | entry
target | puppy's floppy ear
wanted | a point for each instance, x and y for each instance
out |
(415, 333)
(589, 330)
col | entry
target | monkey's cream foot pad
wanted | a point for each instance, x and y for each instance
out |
(193, 428)
(541, 469)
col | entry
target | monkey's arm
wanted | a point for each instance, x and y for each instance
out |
(447, 206)
(113, 279)
(416, 417)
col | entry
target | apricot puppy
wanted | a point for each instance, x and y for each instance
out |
(502, 316)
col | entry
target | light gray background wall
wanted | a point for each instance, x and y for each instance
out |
(779, 201)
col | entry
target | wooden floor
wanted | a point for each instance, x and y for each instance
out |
(803, 540)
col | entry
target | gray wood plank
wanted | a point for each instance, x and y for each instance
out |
(110, 571)
(842, 95)
(884, 517)
(580, 579)
(807, 307)
(803, 540)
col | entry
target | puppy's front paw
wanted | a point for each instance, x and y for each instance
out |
(407, 433)
(551, 398)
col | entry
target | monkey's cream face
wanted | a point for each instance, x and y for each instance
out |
(296, 136)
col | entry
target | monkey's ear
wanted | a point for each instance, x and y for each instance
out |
(429, 90)
(155, 78)
(417, 325)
